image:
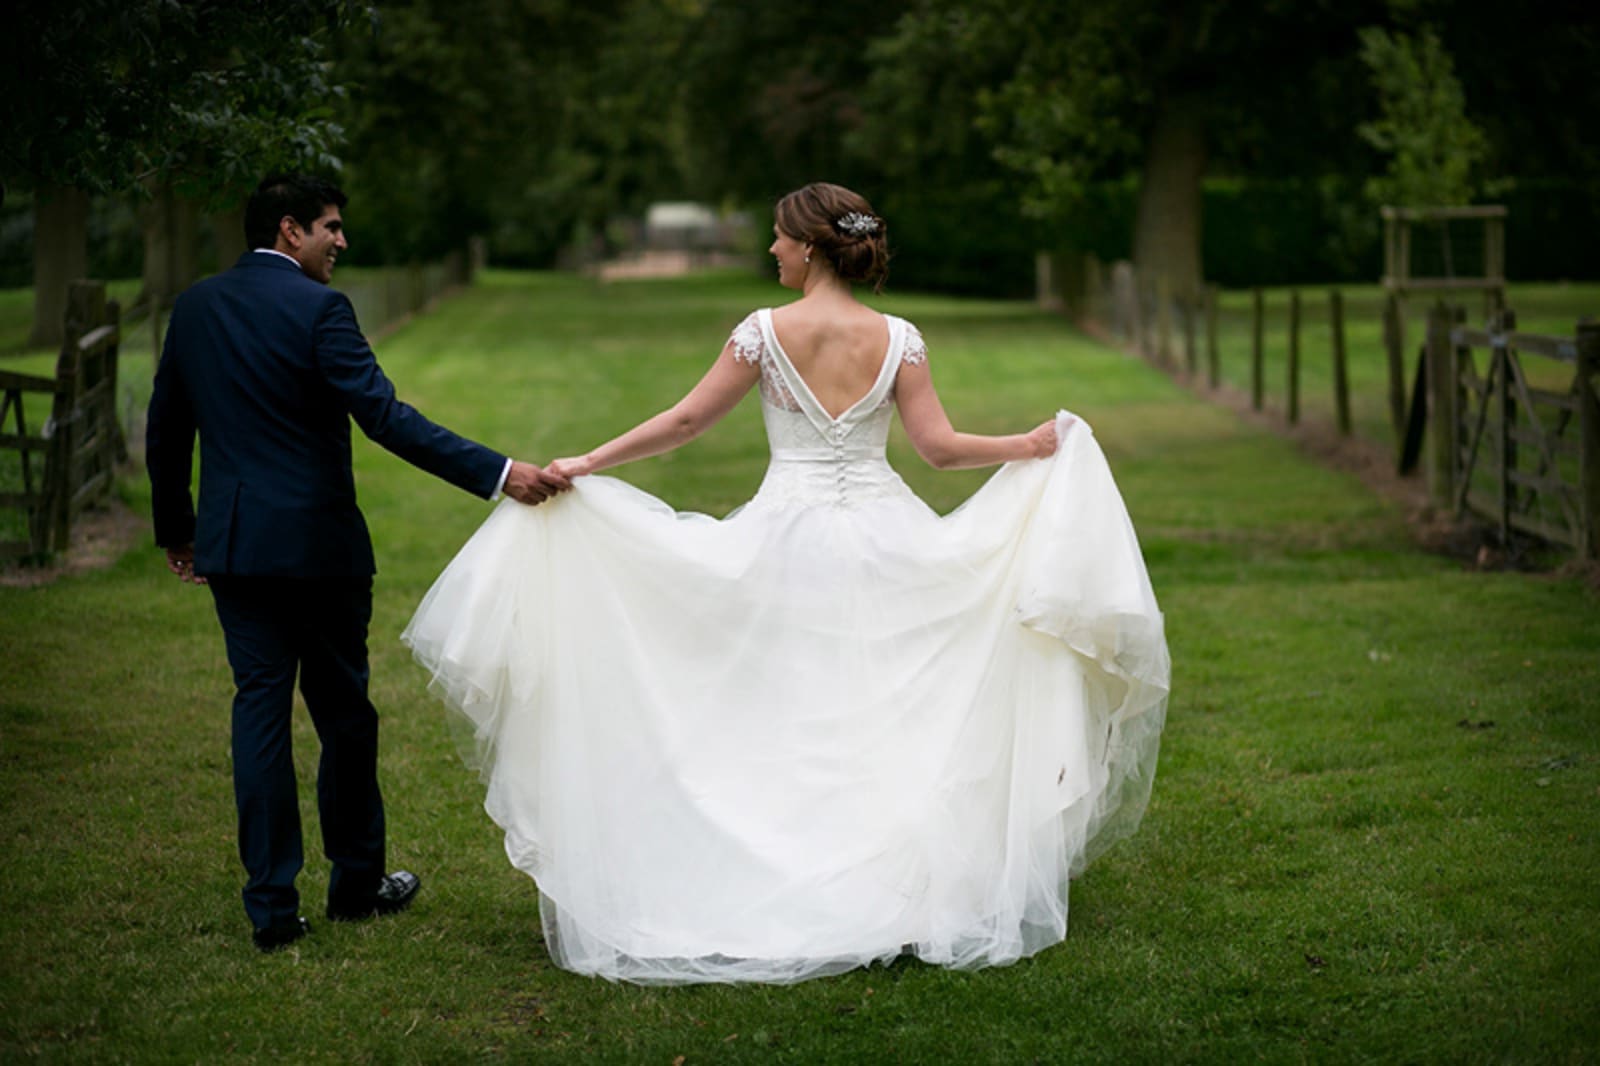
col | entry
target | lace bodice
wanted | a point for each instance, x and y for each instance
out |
(750, 345)
(817, 458)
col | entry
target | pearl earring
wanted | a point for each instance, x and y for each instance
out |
(808, 259)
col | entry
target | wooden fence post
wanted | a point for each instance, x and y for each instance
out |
(1048, 282)
(1394, 346)
(1093, 290)
(1213, 359)
(1503, 324)
(1141, 325)
(1257, 359)
(1163, 322)
(1588, 382)
(1341, 382)
(1189, 306)
(1118, 286)
(1443, 420)
(119, 442)
(1294, 356)
(86, 302)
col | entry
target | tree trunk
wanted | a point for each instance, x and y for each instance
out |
(1166, 236)
(60, 256)
(171, 245)
(227, 233)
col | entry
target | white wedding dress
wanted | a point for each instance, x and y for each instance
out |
(831, 728)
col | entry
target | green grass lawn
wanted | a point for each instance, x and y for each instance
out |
(1375, 832)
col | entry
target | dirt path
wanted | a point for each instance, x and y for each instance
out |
(99, 538)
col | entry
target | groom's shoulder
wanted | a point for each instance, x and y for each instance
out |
(270, 275)
(260, 283)
(276, 271)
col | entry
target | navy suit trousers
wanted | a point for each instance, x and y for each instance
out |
(277, 628)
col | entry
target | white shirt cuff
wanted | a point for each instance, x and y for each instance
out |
(505, 472)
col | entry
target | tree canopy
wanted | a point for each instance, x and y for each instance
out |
(1434, 150)
(535, 121)
(1066, 96)
(106, 95)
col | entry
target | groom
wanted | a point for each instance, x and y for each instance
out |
(267, 365)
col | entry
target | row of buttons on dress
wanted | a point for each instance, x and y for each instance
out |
(837, 432)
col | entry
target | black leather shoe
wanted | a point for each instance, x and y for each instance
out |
(280, 934)
(395, 893)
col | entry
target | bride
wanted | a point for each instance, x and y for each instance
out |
(833, 727)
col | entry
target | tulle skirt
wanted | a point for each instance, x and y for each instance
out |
(803, 738)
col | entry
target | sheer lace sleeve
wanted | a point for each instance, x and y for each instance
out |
(748, 347)
(749, 344)
(915, 350)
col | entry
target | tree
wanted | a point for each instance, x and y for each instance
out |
(957, 215)
(1435, 152)
(503, 118)
(1530, 86)
(772, 93)
(138, 96)
(60, 256)
(1076, 94)
(536, 122)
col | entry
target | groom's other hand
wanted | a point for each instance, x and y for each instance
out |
(181, 562)
(530, 484)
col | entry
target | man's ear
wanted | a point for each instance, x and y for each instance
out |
(289, 231)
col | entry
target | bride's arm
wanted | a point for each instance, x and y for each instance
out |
(937, 441)
(717, 393)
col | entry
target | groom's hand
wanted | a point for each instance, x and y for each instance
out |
(527, 483)
(180, 561)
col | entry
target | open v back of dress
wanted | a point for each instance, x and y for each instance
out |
(802, 389)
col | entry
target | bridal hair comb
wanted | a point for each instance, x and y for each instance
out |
(857, 224)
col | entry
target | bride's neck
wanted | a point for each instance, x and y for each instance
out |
(826, 287)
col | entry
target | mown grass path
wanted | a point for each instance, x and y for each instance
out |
(1375, 833)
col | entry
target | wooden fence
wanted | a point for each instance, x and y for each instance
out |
(1505, 444)
(1176, 329)
(384, 298)
(69, 462)
(1519, 448)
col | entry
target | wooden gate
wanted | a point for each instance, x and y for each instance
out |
(1516, 424)
(69, 462)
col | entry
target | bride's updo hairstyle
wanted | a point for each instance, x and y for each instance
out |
(841, 227)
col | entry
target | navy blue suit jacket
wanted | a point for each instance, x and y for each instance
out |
(268, 367)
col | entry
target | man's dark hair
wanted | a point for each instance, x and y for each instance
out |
(300, 196)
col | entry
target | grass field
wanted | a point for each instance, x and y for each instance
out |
(1375, 832)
